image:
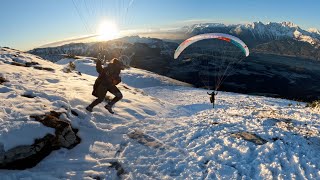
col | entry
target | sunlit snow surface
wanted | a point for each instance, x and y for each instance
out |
(186, 137)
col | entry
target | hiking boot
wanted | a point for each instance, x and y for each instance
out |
(109, 108)
(89, 109)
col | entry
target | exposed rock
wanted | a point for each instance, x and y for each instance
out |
(43, 68)
(32, 64)
(29, 64)
(250, 137)
(118, 167)
(28, 95)
(27, 156)
(18, 64)
(65, 135)
(145, 139)
(3, 80)
(74, 112)
(314, 104)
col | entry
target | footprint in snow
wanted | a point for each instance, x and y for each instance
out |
(87, 122)
(81, 112)
(149, 112)
(126, 100)
(5, 90)
(134, 113)
(53, 80)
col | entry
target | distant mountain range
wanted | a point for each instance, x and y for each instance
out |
(284, 38)
(110, 49)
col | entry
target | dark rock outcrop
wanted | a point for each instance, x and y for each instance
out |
(27, 156)
(250, 137)
(65, 135)
(2, 80)
(35, 65)
(118, 167)
(145, 139)
(44, 68)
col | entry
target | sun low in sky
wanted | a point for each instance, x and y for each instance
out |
(107, 30)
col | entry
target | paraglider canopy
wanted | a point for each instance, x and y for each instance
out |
(215, 59)
(225, 37)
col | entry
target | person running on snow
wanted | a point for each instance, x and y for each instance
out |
(212, 97)
(107, 80)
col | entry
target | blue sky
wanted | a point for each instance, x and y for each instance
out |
(25, 24)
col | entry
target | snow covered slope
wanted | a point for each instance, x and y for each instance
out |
(162, 129)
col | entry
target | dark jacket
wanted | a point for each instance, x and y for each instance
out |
(108, 76)
(212, 96)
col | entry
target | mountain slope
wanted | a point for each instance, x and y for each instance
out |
(161, 130)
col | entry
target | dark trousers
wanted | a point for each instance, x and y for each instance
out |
(102, 92)
(212, 100)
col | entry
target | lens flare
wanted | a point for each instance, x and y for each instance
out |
(108, 30)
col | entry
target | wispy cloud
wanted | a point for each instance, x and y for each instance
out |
(85, 38)
(149, 32)
(189, 22)
(195, 21)
(170, 31)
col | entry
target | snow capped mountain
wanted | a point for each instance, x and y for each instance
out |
(138, 39)
(200, 27)
(289, 24)
(261, 31)
(162, 128)
(314, 30)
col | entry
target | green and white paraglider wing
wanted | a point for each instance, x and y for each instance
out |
(225, 37)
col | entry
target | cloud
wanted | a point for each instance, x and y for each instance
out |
(85, 38)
